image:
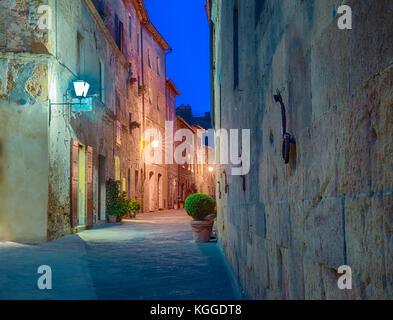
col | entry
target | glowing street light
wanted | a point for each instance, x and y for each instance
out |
(155, 144)
(211, 169)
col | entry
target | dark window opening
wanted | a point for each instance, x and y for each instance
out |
(259, 6)
(117, 107)
(130, 27)
(148, 57)
(119, 32)
(137, 44)
(130, 121)
(236, 44)
(79, 39)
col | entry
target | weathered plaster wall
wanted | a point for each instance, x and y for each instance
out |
(23, 148)
(23, 123)
(286, 236)
(96, 129)
(38, 66)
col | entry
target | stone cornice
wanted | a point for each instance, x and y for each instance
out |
(143, 17)
(171, 85)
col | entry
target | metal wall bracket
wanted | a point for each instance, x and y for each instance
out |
(226, 182)
(287, 138)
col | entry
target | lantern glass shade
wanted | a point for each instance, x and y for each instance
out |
(81, 88)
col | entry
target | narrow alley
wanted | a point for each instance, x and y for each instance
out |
(150, 257)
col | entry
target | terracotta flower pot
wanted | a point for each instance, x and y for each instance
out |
(202, 229)
(112, 219)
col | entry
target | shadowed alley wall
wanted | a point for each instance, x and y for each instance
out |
(332, 205)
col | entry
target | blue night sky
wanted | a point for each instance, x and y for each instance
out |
(184, 25)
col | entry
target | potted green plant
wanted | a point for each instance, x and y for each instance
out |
(134, 206)
(116, 203)
(201, 208)
(123, 206)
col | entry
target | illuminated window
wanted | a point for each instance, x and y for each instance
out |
(117, 168)
(124, 184)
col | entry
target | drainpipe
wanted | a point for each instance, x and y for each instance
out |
(143, 112)
(166, 109)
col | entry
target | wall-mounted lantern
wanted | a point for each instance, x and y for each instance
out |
(155, 144)
(287, 138)
(81, 88)
(80, 103)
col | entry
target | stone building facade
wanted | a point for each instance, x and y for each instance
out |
(186, 176)
(173, 169)
(194, 175)
(295, 224)
(185, 112)
(54, 161)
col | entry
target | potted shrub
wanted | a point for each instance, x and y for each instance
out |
(134, 206)
(116, 204)
(202, 209)
(123, 206)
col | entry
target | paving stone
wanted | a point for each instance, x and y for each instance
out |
(151, 257)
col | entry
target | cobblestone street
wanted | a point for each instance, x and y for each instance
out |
(151, 257)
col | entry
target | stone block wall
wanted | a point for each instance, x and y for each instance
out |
(286, 236)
